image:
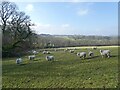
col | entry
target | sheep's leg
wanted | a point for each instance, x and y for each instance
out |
(83, 57)
(108, 56)
(102, 56)
(80, 57)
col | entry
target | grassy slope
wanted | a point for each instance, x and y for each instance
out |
(67, 70)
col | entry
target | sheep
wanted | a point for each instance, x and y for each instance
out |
(71, 51)
(91, 54)
(55, 49)
(34, 52)
(44, 52)
(48, 52)
(32, 57)
(18, 61)
(66, 49)
(49, 58)
(105, 53)
(74, 49)
(94, 48)
(81, 54)
(78, 53)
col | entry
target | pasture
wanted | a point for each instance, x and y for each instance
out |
(66, 71)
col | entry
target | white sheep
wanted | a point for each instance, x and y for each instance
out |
(105, 53)
(55, 49)
(48, 52)
(66, 49)
(34, 52)
(49, 58)
(32, 57)
(75, 49)
(94, 48)
(44, 52)
(91, 54)
(18, 61)
(78, 53)
(71, 51)
(81, 54)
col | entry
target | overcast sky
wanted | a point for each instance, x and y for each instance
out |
(93, 18)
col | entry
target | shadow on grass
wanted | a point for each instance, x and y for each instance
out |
(114, 56)
(92, 57)
(101, 57)
(36, 60)
(22, 64)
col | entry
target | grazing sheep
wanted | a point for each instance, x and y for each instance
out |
(78, 53)
(81, 54)
(66, 49)
(34, 52)
(44, 52)
(94, 48)
(49, 58)
(71, 51)
(48, 52)
(32, 57)
(91, 54)
(18, 61)
(105, 53)
(75, 49)
(55, 49)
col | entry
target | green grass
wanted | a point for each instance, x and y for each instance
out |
(67, 71)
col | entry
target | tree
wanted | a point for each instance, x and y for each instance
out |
(15, 27)
(6, 11)
(20, 27)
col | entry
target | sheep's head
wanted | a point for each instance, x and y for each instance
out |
(47, 56)
(78, 54)
(101, 51)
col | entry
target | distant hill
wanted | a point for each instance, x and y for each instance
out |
(47, 40)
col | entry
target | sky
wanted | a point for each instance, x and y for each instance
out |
(72, 18)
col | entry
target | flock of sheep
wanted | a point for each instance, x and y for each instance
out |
(80, 54)
(32, 57)
(91, 54)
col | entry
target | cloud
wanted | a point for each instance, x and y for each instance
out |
(82, 1)
(82, 12)
(90, 3)
(29, 8)
(65, 25)
(85, 8)
(43, 25)
(38, 27)
(75, 1)
(41, 28)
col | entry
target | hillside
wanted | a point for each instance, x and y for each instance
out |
(66, 71)
(47, 40)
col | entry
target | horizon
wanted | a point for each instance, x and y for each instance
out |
(77, 35)
(70, 18)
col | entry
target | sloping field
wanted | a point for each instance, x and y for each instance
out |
(67, 71)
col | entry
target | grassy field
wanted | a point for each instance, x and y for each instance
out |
(67, 71)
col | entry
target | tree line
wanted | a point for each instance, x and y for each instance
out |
(51, 41)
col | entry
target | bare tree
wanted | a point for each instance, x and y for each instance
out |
(6, 11)
(15, 27)
(20, 28)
